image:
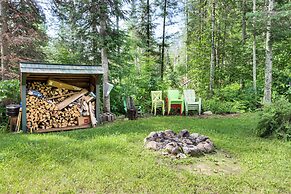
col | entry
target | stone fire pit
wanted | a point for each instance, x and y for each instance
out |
(179, 145)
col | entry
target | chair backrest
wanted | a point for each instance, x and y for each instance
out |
(156, 96)
(174, 94)
(124, 103)
(189, 96)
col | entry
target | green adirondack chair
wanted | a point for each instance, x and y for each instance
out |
(190, 101)
(174, 97)
(157, 101)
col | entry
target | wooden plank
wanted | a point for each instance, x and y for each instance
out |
(23, 101)
(97, 102)
(18, 121)
(62, 129)
(63, 85)
(63, 95)
(71, 99)
(93, 119)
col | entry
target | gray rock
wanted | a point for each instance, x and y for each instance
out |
(176, 150)
(186, 150)
(152, 145)
(187, 141)
(169, 147)
(195, 135)
(179, 145)
(184, 133)
(181, 155)
(161, 135)
(169, 133)
(201, 138)
(209, 147)
(205, 147)
(195, 151)
(207, 113)
(151, 137)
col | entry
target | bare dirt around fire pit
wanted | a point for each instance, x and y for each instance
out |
(217, 163)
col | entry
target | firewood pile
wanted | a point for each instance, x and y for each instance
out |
(54, 104)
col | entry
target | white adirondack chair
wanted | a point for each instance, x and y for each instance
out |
(190, 101)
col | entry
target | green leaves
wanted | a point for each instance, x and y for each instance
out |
(276, 120)
(9, 89)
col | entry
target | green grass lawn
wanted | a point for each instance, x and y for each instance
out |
(111, 159)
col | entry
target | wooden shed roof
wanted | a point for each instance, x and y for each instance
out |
(43, 68)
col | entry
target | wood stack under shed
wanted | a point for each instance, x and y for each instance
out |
(58, 105)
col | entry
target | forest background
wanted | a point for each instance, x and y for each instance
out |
(234, 54)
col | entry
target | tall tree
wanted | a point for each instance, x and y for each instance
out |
(163, 37)
(4, 30)
(212, 58)
(254, 49)
(22, 35)
(104, 55)
(244, 22)
(269, 56)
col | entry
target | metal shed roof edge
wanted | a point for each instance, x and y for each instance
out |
(60, 68)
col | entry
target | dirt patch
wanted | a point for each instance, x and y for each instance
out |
(217, 116)
(219, 163)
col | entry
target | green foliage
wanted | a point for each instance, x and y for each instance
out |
(276, 120)
(233, 99)
(9, 89)
(222, 107)
(9, 93)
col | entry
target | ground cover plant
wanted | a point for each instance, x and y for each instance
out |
(111, 159)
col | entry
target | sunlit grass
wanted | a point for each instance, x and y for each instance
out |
(111, 159)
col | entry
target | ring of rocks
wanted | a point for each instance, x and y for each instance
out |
(180, 144)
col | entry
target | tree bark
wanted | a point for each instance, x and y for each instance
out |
(254, 50)
(212, 59)
(104, 57)
(244, 31)
(163, 41)
(269, 56)
(148, 27)
(4, 42)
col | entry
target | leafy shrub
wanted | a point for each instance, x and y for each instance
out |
(276, 120)
(220, 107)
(9, 93)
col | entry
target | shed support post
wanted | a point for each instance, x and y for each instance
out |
(23, 101)
(97, 104)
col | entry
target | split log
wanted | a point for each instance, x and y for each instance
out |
(71, 99)
(63, 85)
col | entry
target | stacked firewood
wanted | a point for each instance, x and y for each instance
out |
(43, 107)
(51, 93)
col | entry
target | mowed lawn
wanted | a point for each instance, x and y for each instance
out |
(111, 159)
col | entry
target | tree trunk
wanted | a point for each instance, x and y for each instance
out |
(269, 56)
(212, 59)
(163, 41)
(244, 32)
(104, 57)
(186, 38)
(148, 27)
(4, 42)
(254, 50)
